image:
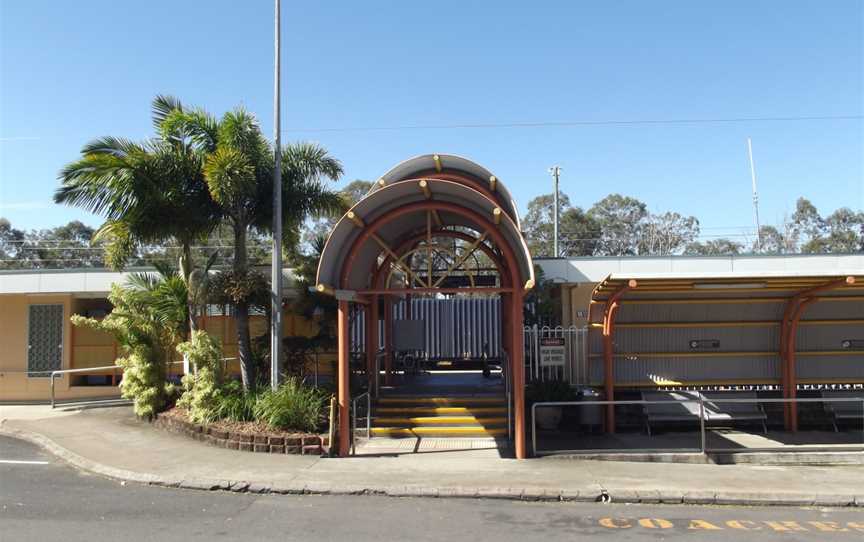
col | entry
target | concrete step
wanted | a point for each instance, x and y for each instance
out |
(441, 401)
(443, 431)
(419, 421)
(438, 411)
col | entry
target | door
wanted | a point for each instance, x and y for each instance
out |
(45, 340)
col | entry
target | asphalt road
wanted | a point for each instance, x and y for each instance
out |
(44, 499)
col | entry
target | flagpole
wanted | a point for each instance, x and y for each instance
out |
(276, 278)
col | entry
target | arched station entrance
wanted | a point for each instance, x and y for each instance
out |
(435, 225)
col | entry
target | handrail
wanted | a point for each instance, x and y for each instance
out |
(703, 449)
(354, 402)
(55, 374)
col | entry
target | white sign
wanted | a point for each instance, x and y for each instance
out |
(552, 352)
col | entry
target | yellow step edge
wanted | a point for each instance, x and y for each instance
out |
(454, 431)
(441, 400)
(441, 410)
(436, 420)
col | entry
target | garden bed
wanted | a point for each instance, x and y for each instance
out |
(243, 436)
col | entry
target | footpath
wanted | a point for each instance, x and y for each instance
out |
(110, 441)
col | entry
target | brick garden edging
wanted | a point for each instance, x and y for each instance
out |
(245, 442)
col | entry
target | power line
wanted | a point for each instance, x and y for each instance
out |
(574, 123)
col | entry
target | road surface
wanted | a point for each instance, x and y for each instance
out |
(43, 499)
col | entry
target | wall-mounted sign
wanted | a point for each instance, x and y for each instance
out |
(704, 344)
(552, 351)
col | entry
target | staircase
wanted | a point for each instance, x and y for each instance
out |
(404, 416)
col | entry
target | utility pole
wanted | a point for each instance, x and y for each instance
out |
(755, 197)
(276, 267)
(556, 172)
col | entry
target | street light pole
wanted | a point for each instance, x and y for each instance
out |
(556, 172)
(276, 266)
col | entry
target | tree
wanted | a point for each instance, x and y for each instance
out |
(11, 244)
(668, 233)
(621, 221)
(238, 170)
(321, 227)
(542, 306)
(714, 247)
(577, 232)
(148, 192)
(845, 231)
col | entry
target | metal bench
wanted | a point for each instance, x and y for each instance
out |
(716, 411)
(846, 410)
(672, 409)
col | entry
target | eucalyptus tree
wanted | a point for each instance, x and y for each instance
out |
(148, 192)
(238, 169)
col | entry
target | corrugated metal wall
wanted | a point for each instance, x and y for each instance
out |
(456, 327)
(721, 365)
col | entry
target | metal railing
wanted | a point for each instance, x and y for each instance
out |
(703, 447)
(354, 403)
(61, 372)
(508, 392)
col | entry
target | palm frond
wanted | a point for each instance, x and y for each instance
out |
(163, 105)
(142, 281)
(229, 175)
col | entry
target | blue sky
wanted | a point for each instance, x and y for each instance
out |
(71, 71)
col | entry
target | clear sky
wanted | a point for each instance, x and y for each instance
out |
(72, 71)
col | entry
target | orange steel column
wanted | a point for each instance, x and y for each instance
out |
(388, 341)
(788, 331)
(517, 357)
(791, 376)
(609, 352)
(344, 393)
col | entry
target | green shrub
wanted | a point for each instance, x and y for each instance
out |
(292, 406)
(203, 391)
(234, 404)
(146, 343)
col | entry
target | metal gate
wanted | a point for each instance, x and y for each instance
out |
(44, 340)
(455, 328)
(574, 368)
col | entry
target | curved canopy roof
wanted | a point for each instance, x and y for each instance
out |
(398, 207)
(432, 165)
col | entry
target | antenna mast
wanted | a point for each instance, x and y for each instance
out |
(755, 196)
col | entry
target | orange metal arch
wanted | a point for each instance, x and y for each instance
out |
(432, 205)
(411, 241)
(609, 351)
(515, 290)
(792, 314)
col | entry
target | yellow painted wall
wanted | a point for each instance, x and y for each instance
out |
(15, 385)
(84, 347)
(578, 299)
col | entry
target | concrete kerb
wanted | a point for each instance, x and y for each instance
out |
(592, 494)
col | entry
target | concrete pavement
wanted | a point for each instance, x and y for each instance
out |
(112, 442)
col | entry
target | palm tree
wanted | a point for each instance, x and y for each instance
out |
(238, 170)
(148, 192)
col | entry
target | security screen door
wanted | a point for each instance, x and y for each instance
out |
(45, 340)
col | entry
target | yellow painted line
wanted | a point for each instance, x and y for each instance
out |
(441, 410)
(439, 420)
(455, 431)
(441, 400)
(781, 525)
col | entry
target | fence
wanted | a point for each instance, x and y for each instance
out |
(566, 358)
(705, 412)
(454, 328)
